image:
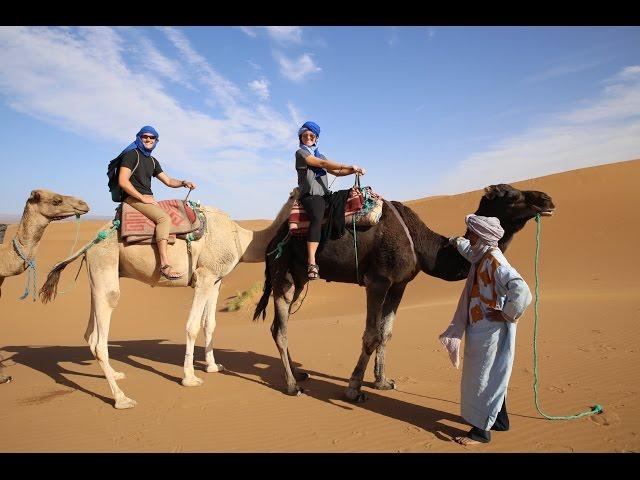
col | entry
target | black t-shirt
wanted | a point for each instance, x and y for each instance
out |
(147, 168)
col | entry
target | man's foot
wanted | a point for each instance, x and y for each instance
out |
(312, 272)
(466, 441)
(168, 273)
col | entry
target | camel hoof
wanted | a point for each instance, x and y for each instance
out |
(301, 376)
(5, 379)
(192, 382)
(119, 375)
(216, 367)
(385, 385)
(355, 396)
(295, 391)
(124, 403)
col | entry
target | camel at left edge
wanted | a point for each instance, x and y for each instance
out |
(223, 245)
(42, 207)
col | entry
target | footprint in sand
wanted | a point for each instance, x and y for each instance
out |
(553, 388)
(605, 419)
(550, 447)
(413, 430)
(406, 380)
(45, 397)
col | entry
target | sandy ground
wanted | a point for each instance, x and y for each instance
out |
(588, 350)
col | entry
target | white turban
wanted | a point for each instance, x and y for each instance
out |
(487, 228)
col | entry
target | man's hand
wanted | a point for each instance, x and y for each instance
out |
(189, 185)
(148, 199)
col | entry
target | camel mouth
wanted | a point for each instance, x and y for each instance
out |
(546, 213)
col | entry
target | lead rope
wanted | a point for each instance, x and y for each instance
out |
(596, 408)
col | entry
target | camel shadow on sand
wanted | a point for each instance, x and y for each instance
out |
(265, 370)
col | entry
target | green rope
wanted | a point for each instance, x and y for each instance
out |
(280, 247)
(75, 242)
(596, 408)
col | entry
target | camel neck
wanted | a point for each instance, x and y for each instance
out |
(30, 230)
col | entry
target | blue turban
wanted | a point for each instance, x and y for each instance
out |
(138, 141)
(312, 127)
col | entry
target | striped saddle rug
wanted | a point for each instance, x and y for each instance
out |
(136, 228)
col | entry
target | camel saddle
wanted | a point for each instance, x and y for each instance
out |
(363, 205)
(138, 229)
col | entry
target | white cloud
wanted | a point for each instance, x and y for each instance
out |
(260, 88)
(562, 70)
(77, 77)
(606, 130)
(296, 70)
(293, 111)
(282, 35)
(285, 34)
(251, 31)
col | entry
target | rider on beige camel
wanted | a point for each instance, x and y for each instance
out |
(135, 179)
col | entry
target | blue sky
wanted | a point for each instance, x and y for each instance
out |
(426, 110)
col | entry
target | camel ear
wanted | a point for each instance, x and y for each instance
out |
(35, 196)
(501, 190)
(491, 192)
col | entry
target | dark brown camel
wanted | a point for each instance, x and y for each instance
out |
(388, 260)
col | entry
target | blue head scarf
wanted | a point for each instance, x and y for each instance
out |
(138, 142)
(315, 129)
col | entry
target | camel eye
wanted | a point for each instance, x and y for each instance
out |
(57, 201)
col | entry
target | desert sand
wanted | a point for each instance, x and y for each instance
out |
(588, 348)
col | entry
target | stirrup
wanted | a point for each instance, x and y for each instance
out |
(167, 276)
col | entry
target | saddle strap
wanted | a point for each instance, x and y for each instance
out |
(404, 226)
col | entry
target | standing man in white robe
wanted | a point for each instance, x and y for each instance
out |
(494, 297)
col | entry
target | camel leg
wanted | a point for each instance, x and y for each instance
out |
(209, 320)
(389, 309)
(3, 378)
(105, 292)
(91, 337)
(205, 286)
(300, 281)
(283, 293)
(372, 337)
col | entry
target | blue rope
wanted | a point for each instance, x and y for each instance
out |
(32, 273)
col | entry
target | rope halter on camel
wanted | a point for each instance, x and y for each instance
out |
(32, 274)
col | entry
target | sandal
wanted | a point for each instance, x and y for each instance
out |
(312, 272)
(168, 276)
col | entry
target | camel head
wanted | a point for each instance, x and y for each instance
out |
(513, 207)
(54, 206)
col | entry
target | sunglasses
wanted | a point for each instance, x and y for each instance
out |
(308, 135)
(150, 137)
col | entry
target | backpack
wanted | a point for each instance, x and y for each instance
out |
(113, 172)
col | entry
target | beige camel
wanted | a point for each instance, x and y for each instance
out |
(214, 256)
(42, 207)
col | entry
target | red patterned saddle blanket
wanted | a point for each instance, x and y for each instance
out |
(136, 228)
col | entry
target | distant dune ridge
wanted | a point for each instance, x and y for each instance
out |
(588, 339)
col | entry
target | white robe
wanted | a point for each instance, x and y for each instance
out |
(490, 345)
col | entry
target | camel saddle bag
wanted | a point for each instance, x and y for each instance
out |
(186, 222)
(362, 204)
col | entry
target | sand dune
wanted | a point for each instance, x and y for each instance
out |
(588, 340)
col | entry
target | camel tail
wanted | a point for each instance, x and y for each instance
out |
(261, 307)
(49, 290)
